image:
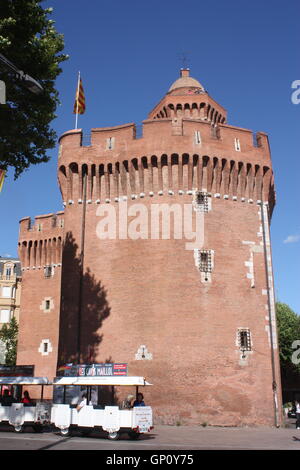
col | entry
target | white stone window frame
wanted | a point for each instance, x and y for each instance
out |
(43, 305)
(206, 275)
(210, 260)
(237, 144)
(244, 351)
(48, 271)
(110, 143)
(206, 206)
(45, 351)
(143, 354)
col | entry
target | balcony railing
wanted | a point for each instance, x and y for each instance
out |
(8, 277)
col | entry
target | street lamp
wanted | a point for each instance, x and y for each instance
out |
(30, 83)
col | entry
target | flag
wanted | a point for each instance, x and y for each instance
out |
(65, 367)
(2, 176)
(79, 105)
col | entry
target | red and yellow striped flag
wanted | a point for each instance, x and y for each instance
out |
(79, 105)
(2, 176)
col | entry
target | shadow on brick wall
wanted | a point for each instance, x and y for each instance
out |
(84, 307)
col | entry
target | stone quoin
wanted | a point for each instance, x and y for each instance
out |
(198, 324)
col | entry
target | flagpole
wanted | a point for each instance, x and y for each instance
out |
(77, 101)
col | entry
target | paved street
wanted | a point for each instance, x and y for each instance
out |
(167, 438)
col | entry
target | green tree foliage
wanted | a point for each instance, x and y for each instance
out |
(9, 336)
(29, 40)
(288, 323)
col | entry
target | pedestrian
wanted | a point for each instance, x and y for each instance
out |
(26, 398)
(127, 402)
(82, 403)
(6, 399)
(298, 414)
(139, 400)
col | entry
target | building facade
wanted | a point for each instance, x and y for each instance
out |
(10, 294)
(161, 259)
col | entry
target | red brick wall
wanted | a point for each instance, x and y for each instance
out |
(40, 246)
(149, 292)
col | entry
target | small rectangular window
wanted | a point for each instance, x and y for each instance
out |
(48, 271)
(47, 304)
(205, 264)
(45, 347)
(201, 201)
(244, 338)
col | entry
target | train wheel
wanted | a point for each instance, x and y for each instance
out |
(19, 428)
(65, 432)
(113, 436)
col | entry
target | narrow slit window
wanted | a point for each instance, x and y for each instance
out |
(47, 304)
(237, 145)
(48, 271)
(110, 143)
(197, 138)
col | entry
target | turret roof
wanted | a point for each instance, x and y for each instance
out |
(185, 81)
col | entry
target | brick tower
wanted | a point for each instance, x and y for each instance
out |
(198, 323)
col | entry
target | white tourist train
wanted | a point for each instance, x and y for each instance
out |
(83, 403)
(17, 413)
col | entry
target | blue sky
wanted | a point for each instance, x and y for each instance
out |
(246, 54)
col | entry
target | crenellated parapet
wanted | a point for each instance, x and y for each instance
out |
(40, 242)
(223, 160)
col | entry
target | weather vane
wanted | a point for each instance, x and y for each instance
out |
(183, 57)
